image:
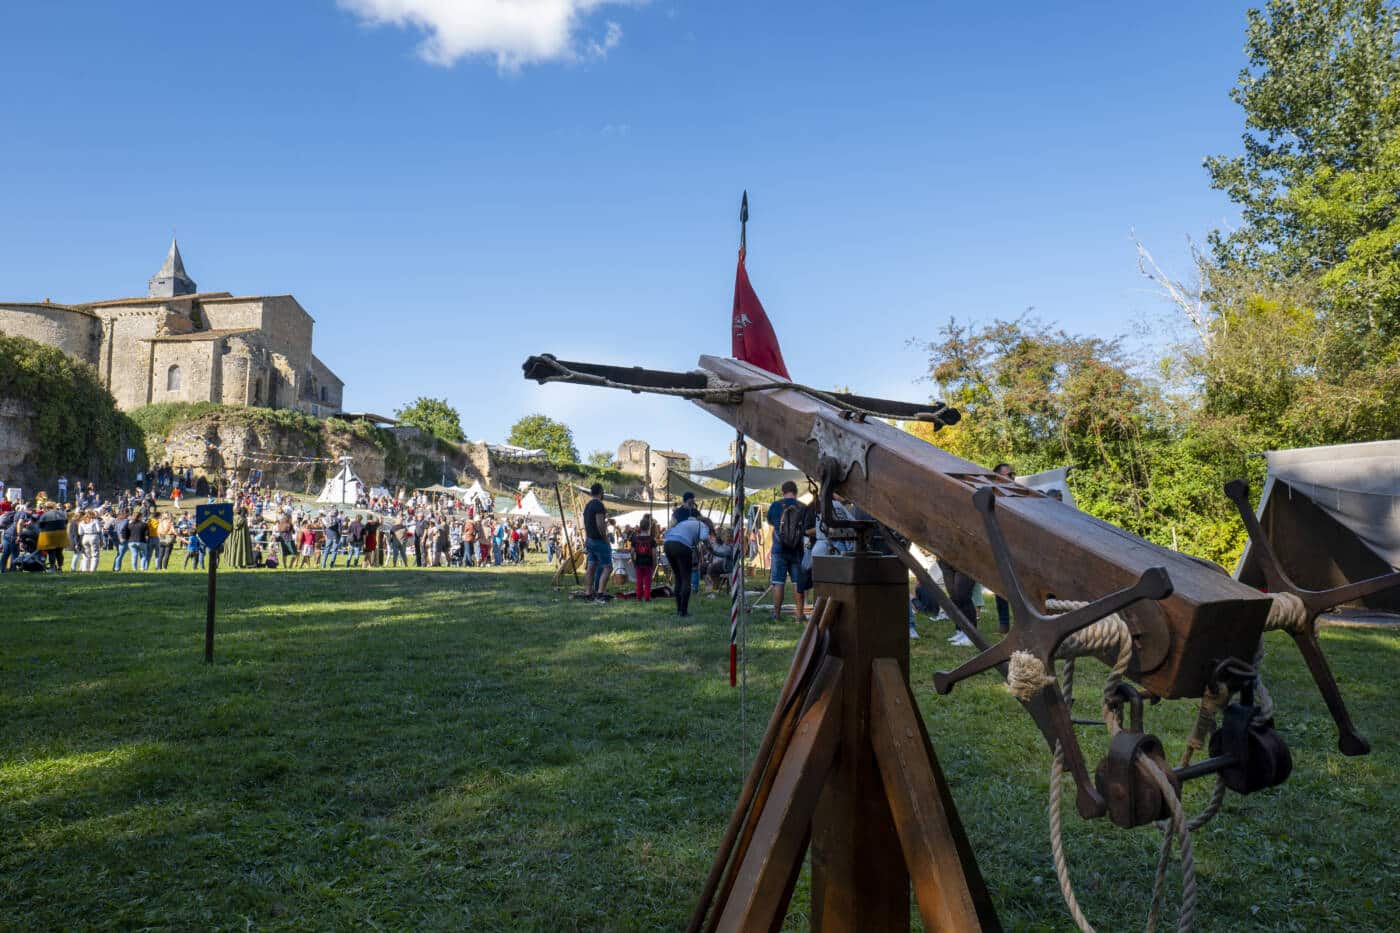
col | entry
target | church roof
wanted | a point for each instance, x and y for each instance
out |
(198, 335)
(174, 265)
(148, 300)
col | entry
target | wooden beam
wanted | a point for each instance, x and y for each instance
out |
(859, 882)
(763, 884)
(926, 494)
(948, 885)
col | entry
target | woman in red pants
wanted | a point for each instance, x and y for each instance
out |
(644, 557)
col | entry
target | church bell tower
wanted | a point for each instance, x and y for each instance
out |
(171, 281)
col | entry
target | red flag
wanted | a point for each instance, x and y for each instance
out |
(754, 340)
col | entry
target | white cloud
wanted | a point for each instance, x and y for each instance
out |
(512, 32)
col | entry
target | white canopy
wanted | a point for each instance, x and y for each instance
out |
(661, 515)
(530, 507)
(342, 489)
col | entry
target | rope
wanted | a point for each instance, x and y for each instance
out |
(1107, 638)
(716, 391)
(1110, 640)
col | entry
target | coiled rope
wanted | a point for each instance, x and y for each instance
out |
(1110, 640)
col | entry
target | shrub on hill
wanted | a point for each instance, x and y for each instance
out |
(76, 428)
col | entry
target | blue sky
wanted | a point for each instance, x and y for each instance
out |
(571, 184)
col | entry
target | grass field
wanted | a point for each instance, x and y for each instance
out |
(472, 750)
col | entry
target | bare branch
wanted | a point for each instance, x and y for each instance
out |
(1189, 300)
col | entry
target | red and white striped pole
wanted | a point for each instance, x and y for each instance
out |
(737, 607)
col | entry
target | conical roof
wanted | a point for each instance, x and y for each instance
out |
(174, 265)
(171, 280)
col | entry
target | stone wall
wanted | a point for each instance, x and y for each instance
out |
(16, 443)
(75, 332)
(214, 444)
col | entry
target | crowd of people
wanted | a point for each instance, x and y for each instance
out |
(148, 529)
(144, 529)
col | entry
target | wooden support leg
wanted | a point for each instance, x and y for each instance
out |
(759, 781)
(947, 883)
(763, 884)
(859, 881)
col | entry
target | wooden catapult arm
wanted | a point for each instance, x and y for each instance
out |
(925, 493)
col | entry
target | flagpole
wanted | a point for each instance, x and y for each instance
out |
(739, 610)
(744, 223)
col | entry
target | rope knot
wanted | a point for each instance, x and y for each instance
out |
(1288, 613)
(1026, 676)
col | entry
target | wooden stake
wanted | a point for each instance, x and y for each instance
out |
(209, 608)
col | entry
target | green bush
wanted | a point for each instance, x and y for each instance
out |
(76, 426)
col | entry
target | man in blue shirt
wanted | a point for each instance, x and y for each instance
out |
(787, 516)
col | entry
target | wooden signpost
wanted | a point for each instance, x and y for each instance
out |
(212, 524)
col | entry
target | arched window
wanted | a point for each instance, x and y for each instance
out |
(172, 379)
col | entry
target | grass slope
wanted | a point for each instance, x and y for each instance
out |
(471, 750)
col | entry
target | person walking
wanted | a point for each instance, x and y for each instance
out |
(679, 543)
(643, 545)
(787, 520)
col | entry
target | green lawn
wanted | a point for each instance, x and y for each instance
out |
(472, 750)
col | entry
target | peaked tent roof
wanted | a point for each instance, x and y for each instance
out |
(1332, 515)
(343, 488)
(530, 506)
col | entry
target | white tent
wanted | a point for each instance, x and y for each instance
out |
(477, 495)
(1047, 480)
(342, 489)
(530, 507)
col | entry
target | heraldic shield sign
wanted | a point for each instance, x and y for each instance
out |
(212, 523)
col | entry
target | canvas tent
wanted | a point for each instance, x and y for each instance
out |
(1332, 514)
(343, 488)
(1046, 480)
(530, 507)
(756, 478)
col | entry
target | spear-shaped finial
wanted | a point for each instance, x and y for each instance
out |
(744, 222)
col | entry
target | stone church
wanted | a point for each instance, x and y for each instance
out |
(178, 344)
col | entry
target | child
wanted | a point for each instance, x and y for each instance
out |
(643, 558)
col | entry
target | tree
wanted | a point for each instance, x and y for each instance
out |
(1040, 398)
(1301, 341)
(1319, 94)
(433, 416)
(544, 433)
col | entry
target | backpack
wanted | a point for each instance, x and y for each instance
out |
(643, 546)
(790, 528)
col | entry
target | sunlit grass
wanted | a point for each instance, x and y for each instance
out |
(473, 750)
